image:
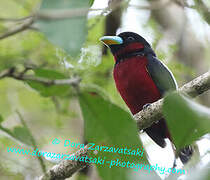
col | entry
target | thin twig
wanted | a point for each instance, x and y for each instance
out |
(48, 82)
(33, 141)
(56, 103)
(16, 19)
(18, 29)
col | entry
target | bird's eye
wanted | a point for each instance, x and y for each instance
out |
(130, 38)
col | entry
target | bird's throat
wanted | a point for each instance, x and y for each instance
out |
(127, 56)
(130, 50)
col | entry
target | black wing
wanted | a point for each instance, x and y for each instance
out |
(161, 75)
(164, 80)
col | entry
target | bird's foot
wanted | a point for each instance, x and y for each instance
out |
(146, 105)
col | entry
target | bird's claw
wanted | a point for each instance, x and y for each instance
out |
(146, 105)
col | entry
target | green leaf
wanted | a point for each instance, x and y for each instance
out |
(186, 119)
(53, 90)
(48, 73)
(19, 133)
(69, 34)
(91, 2)
(107, 124)
(22, 134)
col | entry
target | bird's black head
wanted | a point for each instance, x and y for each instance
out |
(126, 43)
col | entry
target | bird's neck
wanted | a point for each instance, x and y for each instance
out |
(122, 57)
(119, 57)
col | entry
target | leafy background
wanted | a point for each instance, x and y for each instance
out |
(33, 114)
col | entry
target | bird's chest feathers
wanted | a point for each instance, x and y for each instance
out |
(135, 84)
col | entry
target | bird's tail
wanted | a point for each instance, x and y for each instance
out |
(185, 154)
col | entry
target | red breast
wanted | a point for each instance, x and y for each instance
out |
(135, 84)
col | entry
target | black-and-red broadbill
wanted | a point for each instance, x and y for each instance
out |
(142, 79)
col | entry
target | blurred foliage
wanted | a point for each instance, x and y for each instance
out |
(203, 9)
(69, 34)
(61, 49)
(54, 90)
(187, 121)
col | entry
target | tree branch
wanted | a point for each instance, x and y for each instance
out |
(48, 82)
(144, 119)
(16, 19)
(66, 168)
(18, 29)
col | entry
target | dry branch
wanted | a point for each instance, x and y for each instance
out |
(18, 29)
(15, 19)
(48, 82)
(67, 167)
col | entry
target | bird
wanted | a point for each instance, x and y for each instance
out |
(141, 79)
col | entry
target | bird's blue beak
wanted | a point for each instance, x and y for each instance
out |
(111, 40)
